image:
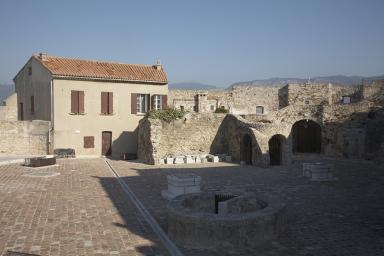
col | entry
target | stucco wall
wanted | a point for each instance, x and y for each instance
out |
(24, 137)
(69, 129)
(38, 84)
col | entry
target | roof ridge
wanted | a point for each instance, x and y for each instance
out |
(36, 55)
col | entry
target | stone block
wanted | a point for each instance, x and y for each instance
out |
(198, 160)
(162, 161)
(178, 160)
(213, 159)
(40, 161)
(318, 171)
(189, 160)
(228, 159)
(169, 160)
(179, 184)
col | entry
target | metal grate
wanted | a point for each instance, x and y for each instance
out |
(12, 253)
(221, 198)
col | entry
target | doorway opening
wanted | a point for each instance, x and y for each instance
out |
(106, 143)
(306, 137)
(246, 149)
(276, 149)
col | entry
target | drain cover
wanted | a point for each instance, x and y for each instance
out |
(11, 253)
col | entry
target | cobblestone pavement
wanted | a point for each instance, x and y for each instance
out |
(82, 211)
(345, 217)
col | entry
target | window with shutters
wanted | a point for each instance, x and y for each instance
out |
(89, 141)
(32, 104)
(157, 102)
(141, 103)
(106, 103)
(77, 102)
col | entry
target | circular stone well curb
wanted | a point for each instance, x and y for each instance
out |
(201, 229)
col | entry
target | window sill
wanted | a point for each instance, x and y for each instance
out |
(141, 114)
(77, 114)
(112, 114)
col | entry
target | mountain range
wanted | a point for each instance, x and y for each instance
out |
(337, 79)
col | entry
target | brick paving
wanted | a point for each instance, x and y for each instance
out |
(82, 211)
(345, 217)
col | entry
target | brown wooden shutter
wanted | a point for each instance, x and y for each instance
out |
(104, 103)
(74, 101)
(148, 101)
(153, 101)
(110, 103)
(164, 101)
(89, 141)
(81, 102)
(133, 103)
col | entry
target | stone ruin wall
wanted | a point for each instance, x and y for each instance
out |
(247, 98)
(348, 130)
(24, 137)
(194, 134)
(8, 110)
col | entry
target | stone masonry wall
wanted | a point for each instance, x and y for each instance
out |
(24, 137)
(194, 134)
(8, 110)
(309, 94)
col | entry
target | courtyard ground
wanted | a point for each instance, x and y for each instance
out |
(84, 211)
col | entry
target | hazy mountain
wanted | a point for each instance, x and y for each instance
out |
(6, 90)
(337, 79)
(191, 86)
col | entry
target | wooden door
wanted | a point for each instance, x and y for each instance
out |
(106, 143)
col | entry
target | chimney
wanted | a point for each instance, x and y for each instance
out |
(158, 65)
(42, 56)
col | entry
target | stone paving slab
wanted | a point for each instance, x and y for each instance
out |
(82, 211)
(344, 217)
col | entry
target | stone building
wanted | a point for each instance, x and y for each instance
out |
(297, 119)
(93, 107)
(262, 99)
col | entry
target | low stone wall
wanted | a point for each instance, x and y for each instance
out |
(194, 134)
(24, 137)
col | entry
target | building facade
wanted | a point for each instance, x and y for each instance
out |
(94, 107)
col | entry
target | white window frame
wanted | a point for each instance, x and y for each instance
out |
(157, 101)
(141, 103)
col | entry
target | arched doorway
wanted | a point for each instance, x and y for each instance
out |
(276, 149)
(306, 137)
(246, 149)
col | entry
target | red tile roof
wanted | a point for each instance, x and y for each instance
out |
(100, 70)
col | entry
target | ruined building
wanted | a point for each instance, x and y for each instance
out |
(271, 125)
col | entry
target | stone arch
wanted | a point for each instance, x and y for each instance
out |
(246, 149)
(276, 145)
(306, 137)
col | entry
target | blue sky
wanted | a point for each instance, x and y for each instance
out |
(213, 42)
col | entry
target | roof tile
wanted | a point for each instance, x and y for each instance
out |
(87, 69)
